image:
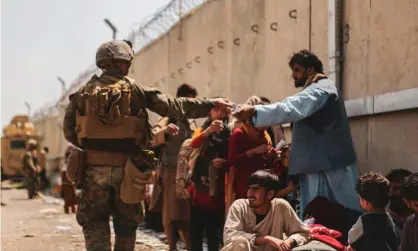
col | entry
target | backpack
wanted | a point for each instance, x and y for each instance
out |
(185, 166)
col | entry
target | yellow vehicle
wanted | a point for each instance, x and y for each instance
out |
(13, 144)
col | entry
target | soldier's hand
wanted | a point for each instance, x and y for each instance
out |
(244, 113)
(172, 129)
(223, 104)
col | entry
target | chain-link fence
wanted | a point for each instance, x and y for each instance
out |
(143, 33)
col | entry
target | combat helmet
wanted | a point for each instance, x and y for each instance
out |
(32, 143)
(114, 50)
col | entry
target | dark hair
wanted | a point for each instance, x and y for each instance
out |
(264, 99)
(307, 59)
(410, 187)
(46, 149)
(208, 121)
(374, 188)
(186, 90)
(398, 175)
(265, 179)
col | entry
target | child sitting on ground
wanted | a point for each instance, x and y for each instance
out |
(409, 190)
(375, 229)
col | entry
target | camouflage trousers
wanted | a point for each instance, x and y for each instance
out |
(99, 200)
(30, 178)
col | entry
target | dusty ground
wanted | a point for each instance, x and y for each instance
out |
(41, 225)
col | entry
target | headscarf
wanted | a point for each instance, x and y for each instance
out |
(313, 79)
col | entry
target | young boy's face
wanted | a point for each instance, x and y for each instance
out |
(258, 196)
(413, 205)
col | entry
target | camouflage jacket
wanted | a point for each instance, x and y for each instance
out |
(162, 104)
(29, 162)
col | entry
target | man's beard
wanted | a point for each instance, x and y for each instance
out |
(397, 205)
(301, 82)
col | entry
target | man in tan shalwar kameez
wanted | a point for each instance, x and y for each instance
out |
(261, 222)
(171, 133)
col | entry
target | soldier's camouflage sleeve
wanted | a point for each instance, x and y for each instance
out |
(70, 121)
(168, 106)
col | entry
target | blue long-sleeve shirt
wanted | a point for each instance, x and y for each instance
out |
(296, 107)
(321, 138)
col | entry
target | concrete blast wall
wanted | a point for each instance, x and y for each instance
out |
(234, 48)
(381, 56)
(241, 48)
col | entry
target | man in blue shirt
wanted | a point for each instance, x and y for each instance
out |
(322, 153)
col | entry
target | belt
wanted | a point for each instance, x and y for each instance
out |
(100, 158)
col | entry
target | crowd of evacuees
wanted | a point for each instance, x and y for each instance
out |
(257, 202)
(247, 188)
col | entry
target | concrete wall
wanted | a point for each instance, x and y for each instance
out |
(201, 50)
(386, 141)
(380, 55)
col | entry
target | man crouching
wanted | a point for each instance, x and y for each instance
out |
(259, 222)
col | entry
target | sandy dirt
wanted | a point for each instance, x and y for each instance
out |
(41, 224)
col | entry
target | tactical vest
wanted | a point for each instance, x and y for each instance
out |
(104, 112)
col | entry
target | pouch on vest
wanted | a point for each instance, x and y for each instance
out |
(75, 163)
(105, 112)
(140, 169)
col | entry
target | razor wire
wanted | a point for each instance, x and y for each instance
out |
(143, 33)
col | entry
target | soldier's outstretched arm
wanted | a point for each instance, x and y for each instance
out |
(70, 123)
(168, 106)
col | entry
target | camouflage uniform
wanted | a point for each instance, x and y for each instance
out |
(100, 195)
(30, 169)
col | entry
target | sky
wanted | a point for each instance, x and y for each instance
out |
(43, 39)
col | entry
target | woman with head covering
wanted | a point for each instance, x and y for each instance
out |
(207, 190)
(250, 149)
